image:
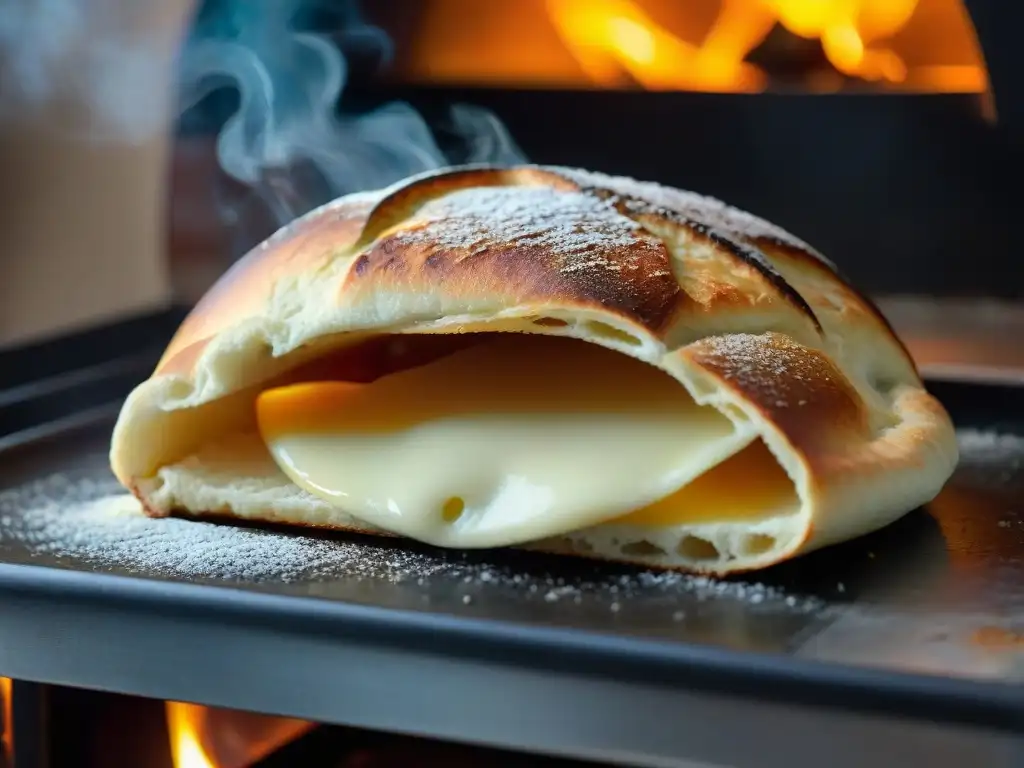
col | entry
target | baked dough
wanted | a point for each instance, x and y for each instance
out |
(749, 320)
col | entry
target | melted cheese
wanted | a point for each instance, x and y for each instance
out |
(748, 486)
(514, 439)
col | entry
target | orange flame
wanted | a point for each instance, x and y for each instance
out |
(700, 45)
(847, 29)
(205, 737)
(184, 723)
(611, 38)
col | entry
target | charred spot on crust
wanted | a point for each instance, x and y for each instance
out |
(753, 257)
(748, 253)
(362, 264)
(646, 295)
(580, 251)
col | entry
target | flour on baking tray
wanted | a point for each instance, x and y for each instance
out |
(98, 523)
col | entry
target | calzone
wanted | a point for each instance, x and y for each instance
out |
(540, 357)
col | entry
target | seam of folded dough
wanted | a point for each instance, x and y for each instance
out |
(834, 471)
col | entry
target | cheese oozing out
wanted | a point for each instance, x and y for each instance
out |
(510, 440)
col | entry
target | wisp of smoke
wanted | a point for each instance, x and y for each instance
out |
(288, 81)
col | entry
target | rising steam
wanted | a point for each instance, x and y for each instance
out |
(288, 81)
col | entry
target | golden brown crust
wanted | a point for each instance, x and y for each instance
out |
(794, 388)
(634, 280)
(527, 234)
(244, 289)
(742, 255)
(407, 199)
(409, 247)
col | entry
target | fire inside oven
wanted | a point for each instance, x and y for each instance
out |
(70, 728)
(725, 46)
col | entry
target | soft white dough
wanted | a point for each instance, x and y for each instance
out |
(238, 476)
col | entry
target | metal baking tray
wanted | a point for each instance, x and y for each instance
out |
(903, 647)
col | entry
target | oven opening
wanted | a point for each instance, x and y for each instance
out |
(735, 46)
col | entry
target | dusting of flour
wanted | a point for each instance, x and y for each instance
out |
(571, 232)
(709, 211)
(97, 523)
(78, 520)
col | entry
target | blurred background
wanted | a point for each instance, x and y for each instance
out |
(146, 146)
